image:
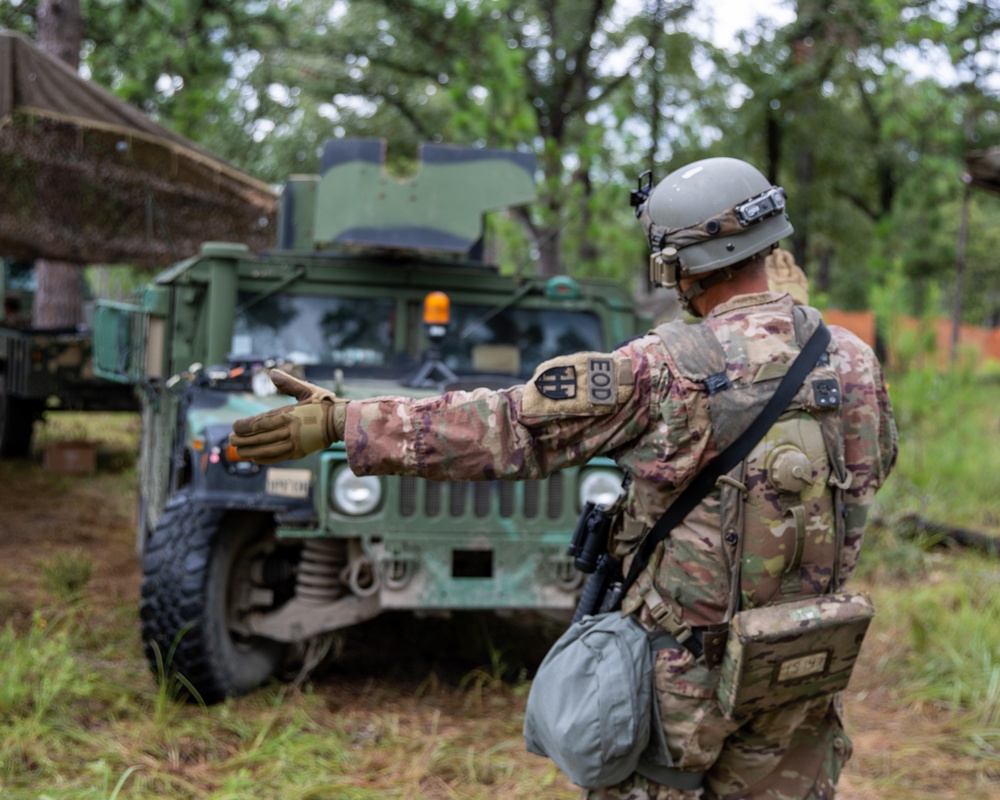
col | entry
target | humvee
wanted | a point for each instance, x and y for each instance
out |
(377, 286)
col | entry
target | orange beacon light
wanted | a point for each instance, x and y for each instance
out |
(437, 309)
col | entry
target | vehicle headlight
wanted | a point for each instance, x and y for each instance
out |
(600, 486)
(355, 496)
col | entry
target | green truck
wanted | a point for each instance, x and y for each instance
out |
(43, 369)
(377, 286)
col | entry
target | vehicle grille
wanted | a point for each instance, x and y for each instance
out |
(522, 499)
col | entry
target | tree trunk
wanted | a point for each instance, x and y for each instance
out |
(58, 295)
(803, 206)
(822, 282)
(60, 30)
(956, 314)
(549, 260)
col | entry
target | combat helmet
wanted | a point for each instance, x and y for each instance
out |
(707, 217)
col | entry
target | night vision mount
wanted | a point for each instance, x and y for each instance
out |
(639, 195)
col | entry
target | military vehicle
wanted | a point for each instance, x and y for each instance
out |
(43, 369)
(377, 287)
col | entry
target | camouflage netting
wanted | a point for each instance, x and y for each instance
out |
(89, 179)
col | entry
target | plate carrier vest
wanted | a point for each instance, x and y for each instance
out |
(786, 501)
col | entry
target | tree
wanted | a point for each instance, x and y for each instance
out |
(58, 284)
(869, 151)
(543, 75)
(835, 106)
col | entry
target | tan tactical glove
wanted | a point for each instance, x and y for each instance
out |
(289, 432)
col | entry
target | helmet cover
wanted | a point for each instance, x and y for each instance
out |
(711, 214)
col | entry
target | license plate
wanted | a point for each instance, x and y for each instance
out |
(288, 482)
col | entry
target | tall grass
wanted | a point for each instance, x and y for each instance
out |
(937, 606)
(80, 720)
(949, 461)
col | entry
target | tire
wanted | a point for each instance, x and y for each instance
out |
(196, 563)
(17, 421)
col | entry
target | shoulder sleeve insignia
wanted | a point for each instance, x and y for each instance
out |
(578, 384)
(557, 383)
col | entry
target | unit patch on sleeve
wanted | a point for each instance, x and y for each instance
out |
(557, 383)
(578, 384)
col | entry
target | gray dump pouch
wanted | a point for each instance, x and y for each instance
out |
(592, 706)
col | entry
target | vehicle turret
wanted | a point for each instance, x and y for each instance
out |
(355, 202)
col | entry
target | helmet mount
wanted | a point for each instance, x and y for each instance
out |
(664, 268)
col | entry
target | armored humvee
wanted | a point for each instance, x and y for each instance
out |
(378, 286)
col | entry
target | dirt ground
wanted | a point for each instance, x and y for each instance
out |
(901, 750)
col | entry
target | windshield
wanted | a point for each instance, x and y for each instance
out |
(357, 334)
(307, 329)
(536, 334)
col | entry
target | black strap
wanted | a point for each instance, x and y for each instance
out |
(705, 480)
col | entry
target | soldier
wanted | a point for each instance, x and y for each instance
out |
(785, 276)
(710, 225)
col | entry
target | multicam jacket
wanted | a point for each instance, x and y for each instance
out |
(634, 406)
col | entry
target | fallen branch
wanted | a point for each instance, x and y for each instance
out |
(914, 526)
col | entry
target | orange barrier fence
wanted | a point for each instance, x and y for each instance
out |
(981, 344)
(860, 323)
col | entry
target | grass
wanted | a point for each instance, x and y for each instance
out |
(81, 715)
(949, 465)
(77, 723)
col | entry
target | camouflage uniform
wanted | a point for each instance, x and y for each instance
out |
(634, 406)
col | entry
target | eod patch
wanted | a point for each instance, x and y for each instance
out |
(602, 381)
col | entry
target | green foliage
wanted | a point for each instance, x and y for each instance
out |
(37, 674)
(172, 687)
(79, 719)
(973, 657)
(954, 653)
(947, 610)
(944, 472)
(67, 574)
(863, 111)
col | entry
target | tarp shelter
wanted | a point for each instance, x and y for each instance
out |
(87, 178)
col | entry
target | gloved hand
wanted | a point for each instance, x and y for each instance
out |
(316, 421)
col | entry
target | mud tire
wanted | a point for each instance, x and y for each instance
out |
(187, 580)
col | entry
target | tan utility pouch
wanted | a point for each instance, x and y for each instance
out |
(793, 651)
